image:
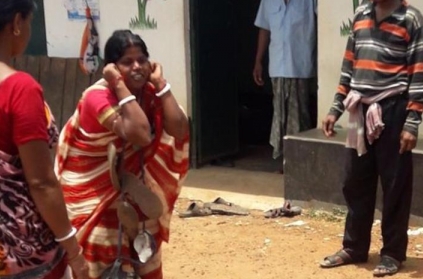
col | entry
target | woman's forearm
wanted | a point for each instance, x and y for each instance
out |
(51, 205)
(46, 191)
(175, 121)
(133, 122)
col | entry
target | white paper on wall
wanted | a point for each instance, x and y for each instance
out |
(76, 9)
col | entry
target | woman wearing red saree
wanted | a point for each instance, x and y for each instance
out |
(133, 108)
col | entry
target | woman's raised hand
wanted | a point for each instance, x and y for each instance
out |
(111, 73)
(156, 76)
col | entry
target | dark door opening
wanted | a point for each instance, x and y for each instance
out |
(231, 114)
(38, 42)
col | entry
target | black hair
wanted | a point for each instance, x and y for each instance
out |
(117, 44)
(9, 9)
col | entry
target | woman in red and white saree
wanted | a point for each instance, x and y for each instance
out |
(133, 108)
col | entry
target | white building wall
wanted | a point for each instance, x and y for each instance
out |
(167, 44)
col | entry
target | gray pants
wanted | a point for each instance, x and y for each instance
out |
(294, 109)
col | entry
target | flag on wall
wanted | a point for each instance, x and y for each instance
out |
(89, 54)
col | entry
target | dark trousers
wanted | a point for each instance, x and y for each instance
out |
(395, 171)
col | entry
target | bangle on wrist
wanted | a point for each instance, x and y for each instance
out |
(71, 234)
(127, 100)
(164, 91)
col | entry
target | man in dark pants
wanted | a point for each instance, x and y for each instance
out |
(382, 88)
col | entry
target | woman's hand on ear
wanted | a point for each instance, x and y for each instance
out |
(111, 73)
(156, 76)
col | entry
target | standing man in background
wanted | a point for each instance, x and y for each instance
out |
(289, 29)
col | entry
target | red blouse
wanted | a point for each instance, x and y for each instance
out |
(22, 112)
(99, 104)
(95, 105)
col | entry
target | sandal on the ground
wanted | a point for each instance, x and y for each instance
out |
(195, 210)
(339, 258)
(219, 200)
(222, 207)
(285, 211)
(386, 266)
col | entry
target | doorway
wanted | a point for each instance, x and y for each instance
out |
(37, 45)
(231, 114)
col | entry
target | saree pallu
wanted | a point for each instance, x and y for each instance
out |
(82, 168)
(27, 246)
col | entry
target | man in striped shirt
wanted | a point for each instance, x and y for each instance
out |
(382, 88)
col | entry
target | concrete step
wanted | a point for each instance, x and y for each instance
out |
(315, 165)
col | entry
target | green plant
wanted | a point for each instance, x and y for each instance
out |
(142, 20)
(346, 28)
(340, 212)
(336, 215)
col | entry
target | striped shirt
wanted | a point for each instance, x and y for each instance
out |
(384, 55)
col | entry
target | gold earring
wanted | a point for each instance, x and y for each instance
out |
(17, 32)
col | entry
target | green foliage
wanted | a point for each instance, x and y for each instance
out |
(355, 4)
(142, 20)
(336, 215)
(148, 23)
(346, 28)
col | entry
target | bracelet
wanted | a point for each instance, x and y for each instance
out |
(72, 233)
(127, 100)
(165, 90)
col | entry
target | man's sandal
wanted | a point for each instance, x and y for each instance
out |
(339, 258)
(386, 266)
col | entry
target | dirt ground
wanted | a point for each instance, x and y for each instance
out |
(228, 247)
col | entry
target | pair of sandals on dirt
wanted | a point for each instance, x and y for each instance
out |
(386, 266)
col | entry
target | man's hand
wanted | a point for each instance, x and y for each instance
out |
(258, 74)
(407, 142)
(328, 124)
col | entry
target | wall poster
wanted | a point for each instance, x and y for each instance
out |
(76, 9)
